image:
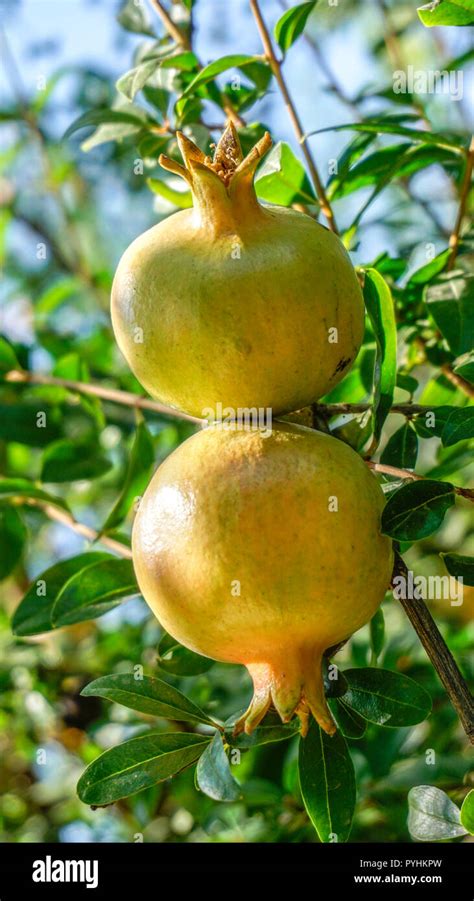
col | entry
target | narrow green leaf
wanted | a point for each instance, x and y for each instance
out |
(68, 461)
(282, 178)
(401, 448)
(386, 698)
(94, 591)
(138, 764)
(459, 426)
(349, 722)
(467, 812)
(174, 658)
(181, 199)
(431, 424)
(327, 783)
(450, 301)
(148, 695)
(292, 24)
(213, 773)
(391, 125)
(12, 539)
(33, 614)
(460, 566)
(417, 509)
(10, 488)
(380, 307)
(432, 816)
(136, 479)
(208, 73)
(101, 116)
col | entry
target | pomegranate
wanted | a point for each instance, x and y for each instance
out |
(233, 304)
(264, 549)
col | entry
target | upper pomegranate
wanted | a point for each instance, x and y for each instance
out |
(233, 303)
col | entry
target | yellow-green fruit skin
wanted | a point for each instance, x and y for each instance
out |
(264, 551)
(261, 308)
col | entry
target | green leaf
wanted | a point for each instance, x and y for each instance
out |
(396, 161)
(450, 301)
(133, 17)
(33, 614)
(208, 73)
(292, 23)
(148, 695)
(32, 423)
(349, 722)
(432, 423)
(401, 448)
(380, 307)
(213, 773)
(174, 658)
(386, 698)
(136, 479)
(68, 461)
(465, 367)
(12, 488)
(427, 273)
(417, 509)
(327, 783)
(270, 730)
(101, 116)
(282, 178)
(138, 764)
(467, 812)
(12, 539)
(447, 12)
(181, 199)
(391, 125)
(94, 591)
(377, 634)
(432, 816)
(8, 359)
(131, 82)
(460, 566)
(459, 426)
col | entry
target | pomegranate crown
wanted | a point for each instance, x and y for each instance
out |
(225, 172)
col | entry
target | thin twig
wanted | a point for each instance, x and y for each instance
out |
(468, 493)
(184, 41)
(439, 654)
(275, 66)
(66, 519)
(464, 194)
(179, 36)
(125, 398)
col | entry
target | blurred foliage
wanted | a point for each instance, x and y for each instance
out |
(61, 201)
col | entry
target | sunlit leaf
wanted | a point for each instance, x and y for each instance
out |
(386, 698)
(432, 815)
(213, 774)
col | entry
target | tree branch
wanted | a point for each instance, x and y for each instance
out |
(457, 380)
(439, 654)
(465, 188)
(126, 398)
(467, 493)
(275, 66)
(66, 519)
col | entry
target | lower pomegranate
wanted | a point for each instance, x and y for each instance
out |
(264, 549)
